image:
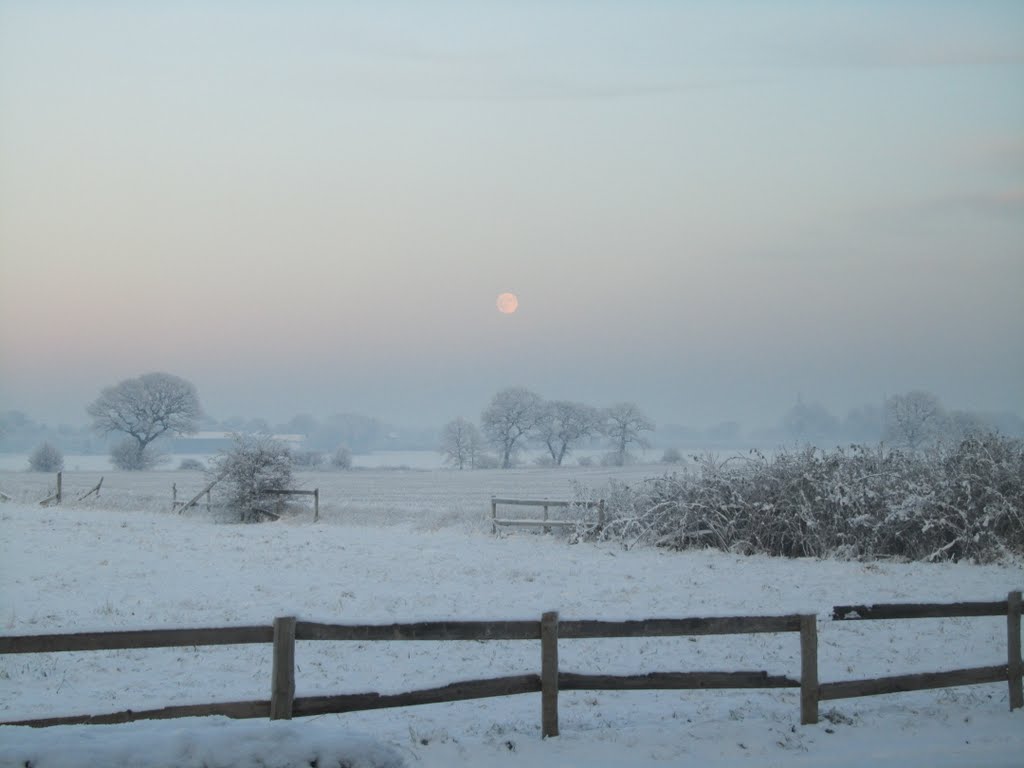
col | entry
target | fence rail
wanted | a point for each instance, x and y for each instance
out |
(1010, 672)
(550, 631)
(546, 504)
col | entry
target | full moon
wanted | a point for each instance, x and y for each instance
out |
(507, 303)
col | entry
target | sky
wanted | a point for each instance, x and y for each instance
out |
(710, 209)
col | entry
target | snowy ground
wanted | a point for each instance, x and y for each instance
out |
(406, 546)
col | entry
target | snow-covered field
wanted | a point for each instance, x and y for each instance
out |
(415, 545)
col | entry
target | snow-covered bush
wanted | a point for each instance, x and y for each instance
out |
(671, 456)
(126, 454)
(253, 465)
(307, 459)
(965, 502)
(191, 464)
(46, 458)
(487, 461)
(342, 458)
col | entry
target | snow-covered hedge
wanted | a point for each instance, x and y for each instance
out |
(963, 502)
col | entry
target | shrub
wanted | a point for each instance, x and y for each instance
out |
(487, 461)
(307, 459)
(192, 464)
(671, 456)
(859, 502)
(342, 458)
(253, 465)
(128, 455)
(46, 458)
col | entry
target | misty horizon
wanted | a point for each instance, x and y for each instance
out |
(708, 210)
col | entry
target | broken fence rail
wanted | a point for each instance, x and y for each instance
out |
(550, 630)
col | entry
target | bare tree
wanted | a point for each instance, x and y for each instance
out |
(562, 424)
(146, 408)
(913, 420)
(509, 418)
(624, 423)
(460, 443)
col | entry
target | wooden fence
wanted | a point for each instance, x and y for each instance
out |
(1010, 672)
(546, 523)
(550, 631)
(58, 495)
(181, 506)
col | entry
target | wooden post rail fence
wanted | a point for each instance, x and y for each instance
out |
(1010, 672)
(546, 523)
(550, 631)
(286, 631)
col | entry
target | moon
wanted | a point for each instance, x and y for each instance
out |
(507, 303)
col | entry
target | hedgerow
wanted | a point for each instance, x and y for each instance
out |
(961, 502)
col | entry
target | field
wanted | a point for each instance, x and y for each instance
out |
(409, 545)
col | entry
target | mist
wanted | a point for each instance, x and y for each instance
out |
(714, 212)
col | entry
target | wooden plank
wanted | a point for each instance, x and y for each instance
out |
(282, 689)
(718, 625)
(849, 689)
(428, 630)
(916, 610)
(1013, 666)
(570, 681)
(545, 502)
(563, 523)
(239, 710)
(549, 674)
(199, 495)
(808, 669)
(278, 492)
(95, 489)
(146, 638)
(461, 691)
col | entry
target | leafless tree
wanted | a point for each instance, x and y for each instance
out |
(146, 408)
(460, 443)
(562, 424)
(624, 423)
(913, 420)
(509, 419)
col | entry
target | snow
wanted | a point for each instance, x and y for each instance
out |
(415, 545)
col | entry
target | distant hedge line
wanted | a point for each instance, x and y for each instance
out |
(964, 502)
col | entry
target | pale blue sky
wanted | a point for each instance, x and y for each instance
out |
(703, 207)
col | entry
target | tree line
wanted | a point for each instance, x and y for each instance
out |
(516, 417)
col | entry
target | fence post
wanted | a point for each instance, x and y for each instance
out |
(549, 674)
(1013, 667)
(207, 500)
(316, 504)
(174, 496)
(282, 691)
(808, 669)
(547, 528)
(494, 516)
(60, 483)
